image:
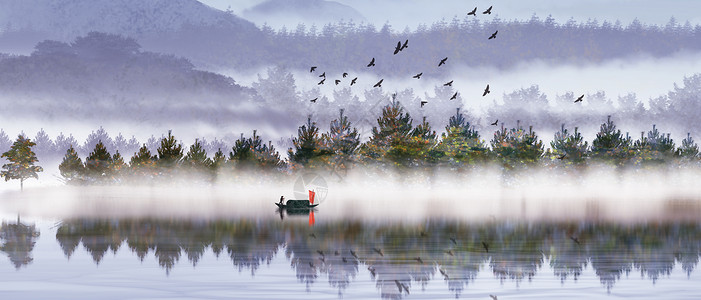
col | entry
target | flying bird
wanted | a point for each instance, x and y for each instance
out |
(450, 252)
(399, 285)
(473, 12)
(455, 96)
(494, 297)
(344, 260)
(353, 81)
(579, 99)
(345, 74)
(452, 239)
(449, 83)
(323, 75)
(418, 76)
(321, 82)
(442, 62)
(421, 261)
(378, 84)
(575, 240)
(495, 122)
(494, 35)
(398, 48)
(379, 251)
(337, 81)
(320, 252)
(372, 62)
(314, 100)
(312, 69)
(353, 253)
(488, 11)
(406, 45)
(486, 246)
(444, 273)
(486, 91)
(423, 102)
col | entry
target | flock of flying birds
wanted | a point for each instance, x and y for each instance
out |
(399, 48)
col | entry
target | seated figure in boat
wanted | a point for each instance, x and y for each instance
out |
(282, 198)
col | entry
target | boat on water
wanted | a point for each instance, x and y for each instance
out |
(298, 204)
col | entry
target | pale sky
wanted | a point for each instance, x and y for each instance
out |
(402, 13)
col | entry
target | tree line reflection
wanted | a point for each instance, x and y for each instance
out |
(399, 257)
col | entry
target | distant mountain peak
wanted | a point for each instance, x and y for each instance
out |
(280, 12)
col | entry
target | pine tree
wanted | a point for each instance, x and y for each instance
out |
(461, 143)
(117, 166)
(97, 164)
(309, 150)
(170, 153)
(196, 158)
(568, 146)
(72, 168)
(142, 163)
(242, 155)
(21, 161)
(218, 159)
(342, 140)
(389, 142)
(689, 149)
(516, 146)
(611, 144)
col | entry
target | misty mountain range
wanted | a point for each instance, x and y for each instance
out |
(143, 61)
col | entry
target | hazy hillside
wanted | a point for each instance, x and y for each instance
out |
(277, 13)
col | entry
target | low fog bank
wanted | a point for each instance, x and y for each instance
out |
(599, 194)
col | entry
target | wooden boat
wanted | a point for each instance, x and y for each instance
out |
(296, 204)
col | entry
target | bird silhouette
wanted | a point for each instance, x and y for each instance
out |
(379, 251)
(495, 122)
(406, 289)
(321, 82)
(473, 12)
(399, 285)
(345, 74)
(337, 81)
(444, 273)
(322, 259)
(354, 80)
(442, 62)
(421, 261)
(579, 99)
(452, 239)
(311, 265)
(486, 246)
(418, 76)
(575, 240)
(378, 84)
(423, 102)
(323, 75)
(312, 235)
(455, 96)
(488, 11)
(486, 91)
(406, 45)
(314, 100)
(450, 252)
(494, 35)
(398, 48)
(372, 62)
(344, 260)
(449, 83)
(353, 253)
(312, 69)
(320, 252)
(336, 253)
(493, 297)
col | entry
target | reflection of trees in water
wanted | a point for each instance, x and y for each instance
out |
(17, 241)
(398, 256)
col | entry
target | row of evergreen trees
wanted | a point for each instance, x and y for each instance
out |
(393, 143)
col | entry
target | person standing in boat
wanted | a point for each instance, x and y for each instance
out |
(282, 198)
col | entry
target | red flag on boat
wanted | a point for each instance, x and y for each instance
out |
(311, 197)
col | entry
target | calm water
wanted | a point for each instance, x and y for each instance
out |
(305, 256)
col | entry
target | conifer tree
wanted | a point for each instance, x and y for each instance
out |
(390, 139)
(569, 146)
(242, 153)
(98, 163)
(196, 158)
(21, 161)
(218, 160)
(516, 146)
(611, 144)
(461, 142)
(342, 140)
(170, 153)
(309, 150)
(72, 168)
(117, 166)
(142, 163)
(689, 149)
